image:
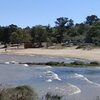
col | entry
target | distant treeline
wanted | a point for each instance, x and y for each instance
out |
(64, 32)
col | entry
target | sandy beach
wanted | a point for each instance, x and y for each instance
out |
(93, 54)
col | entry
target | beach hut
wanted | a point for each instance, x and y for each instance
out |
(28, 45)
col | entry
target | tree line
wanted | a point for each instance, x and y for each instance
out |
(64, 31)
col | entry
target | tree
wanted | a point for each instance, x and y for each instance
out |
(12, 28)
(20, 36)
(72, 32)
(93, 35)
(38, 34)
(14, 38)
(60, 27)
(5, 35)
(70, 23)
(62, 24)
(90, 20)
(61, 21)
(1, 33)
(81, 28)
(27, 34)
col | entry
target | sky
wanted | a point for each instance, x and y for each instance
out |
(43, 12)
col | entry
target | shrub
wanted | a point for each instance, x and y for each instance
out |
(94, 63)
(77, 63)
(18, 93)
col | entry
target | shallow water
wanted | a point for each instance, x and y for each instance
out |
(72, 83)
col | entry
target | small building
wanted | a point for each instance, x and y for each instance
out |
(28, 45)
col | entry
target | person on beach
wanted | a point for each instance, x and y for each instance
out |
(5, 47)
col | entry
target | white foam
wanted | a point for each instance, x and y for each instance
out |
(52, 75)
(64, 89)
(82, 77)
(40, 76)
(77, 89)
(13, 62)
(97, 67)
(49, 80)
(48, 67)
(7, 63)
(26, 65)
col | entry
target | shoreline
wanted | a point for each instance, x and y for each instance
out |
(70, 52)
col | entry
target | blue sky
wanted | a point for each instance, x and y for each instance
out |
(34, 12)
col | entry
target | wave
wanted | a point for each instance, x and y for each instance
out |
(52, 76)
(26, 65)
(49, 80)
(97, 67)
(76, 89)
(82, 77)
(48, 67)
(14, 62)
(69, 89)
(11, 62)
(64, 89)
(7, 63)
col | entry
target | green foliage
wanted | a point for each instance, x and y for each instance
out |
(61, 21)
(94, 63)
(18, 93)
(38, 34)
(55, 63)
(63, 31)
(5, 35)
(14, 38)
(93, 35)
(61, 24)
(77, 63)
(90, 20)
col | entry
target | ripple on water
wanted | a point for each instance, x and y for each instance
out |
(55, 85)
(52, 76)
(82, 77)
(61, 89)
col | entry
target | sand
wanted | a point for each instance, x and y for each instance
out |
(93, 54)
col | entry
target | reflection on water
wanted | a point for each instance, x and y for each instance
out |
(77, 83)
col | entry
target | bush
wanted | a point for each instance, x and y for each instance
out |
(18, 93)
(94, 63)
(77, 63)
(56, 63)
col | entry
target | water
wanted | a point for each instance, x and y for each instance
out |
(72, 83)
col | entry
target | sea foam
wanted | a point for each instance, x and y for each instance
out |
(52, 76)
(82, 77)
